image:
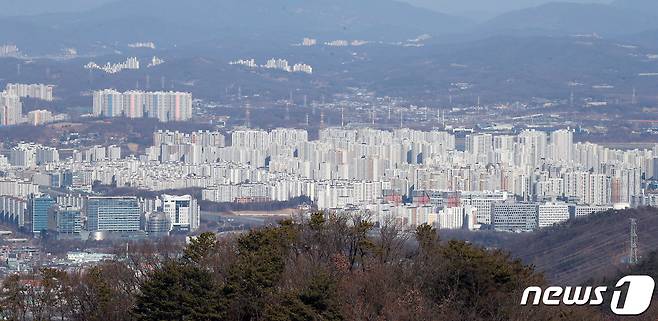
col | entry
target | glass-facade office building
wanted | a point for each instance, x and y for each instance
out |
(40, 207)
(69, 221)
(114, 214)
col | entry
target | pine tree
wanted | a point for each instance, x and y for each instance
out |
(178, 292)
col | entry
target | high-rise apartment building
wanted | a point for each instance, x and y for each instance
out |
(479, 146)
(14, 210)
(183, 211)
(561, 146)
(107, 102)
(36, 91)
(39, 117)
(165, 106)
(11, 109)
(30, 155)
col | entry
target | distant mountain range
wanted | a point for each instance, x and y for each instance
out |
(485, 9)
(34, 7)
(560, 18)
(178, 22)
(504, 67)
(236, 22)
(642, 5)
(529, 52)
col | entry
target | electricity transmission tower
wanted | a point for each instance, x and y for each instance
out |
(632, 257)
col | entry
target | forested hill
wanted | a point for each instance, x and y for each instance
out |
(331, 267)
(326, 268)
(580, 249)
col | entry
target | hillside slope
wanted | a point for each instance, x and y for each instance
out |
(565, 18)
(581, 249)
(640, 5)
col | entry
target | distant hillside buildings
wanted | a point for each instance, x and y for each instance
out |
(309, 42)
(337, 43)
(276, 64)
(250, 63)
(149, 45)
(282, 64)
(346, 43)
(130, 63)
(302, 68)
(155, 61)
(165, 106)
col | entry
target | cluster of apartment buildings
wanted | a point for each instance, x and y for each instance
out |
(507, 182)
(155, 61)
(26, 155)
(164, 106)
(310, 42)
(274, 63)
(146, 44)
(11, 106)
(345, 43)
(131, 63)
(36, 91)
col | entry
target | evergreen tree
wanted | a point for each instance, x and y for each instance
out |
(178, 292)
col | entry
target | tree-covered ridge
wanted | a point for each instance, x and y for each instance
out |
(327, 267)
(579, 250)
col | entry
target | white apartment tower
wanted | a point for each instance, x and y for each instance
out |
(11, 109)
(479, 146)
(561, 146)
(183, 211)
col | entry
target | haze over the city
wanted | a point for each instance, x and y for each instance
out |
(327, 159)
(468, 8)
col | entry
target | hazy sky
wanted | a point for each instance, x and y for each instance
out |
(479, 9)
(28, 7)
(485, 8)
